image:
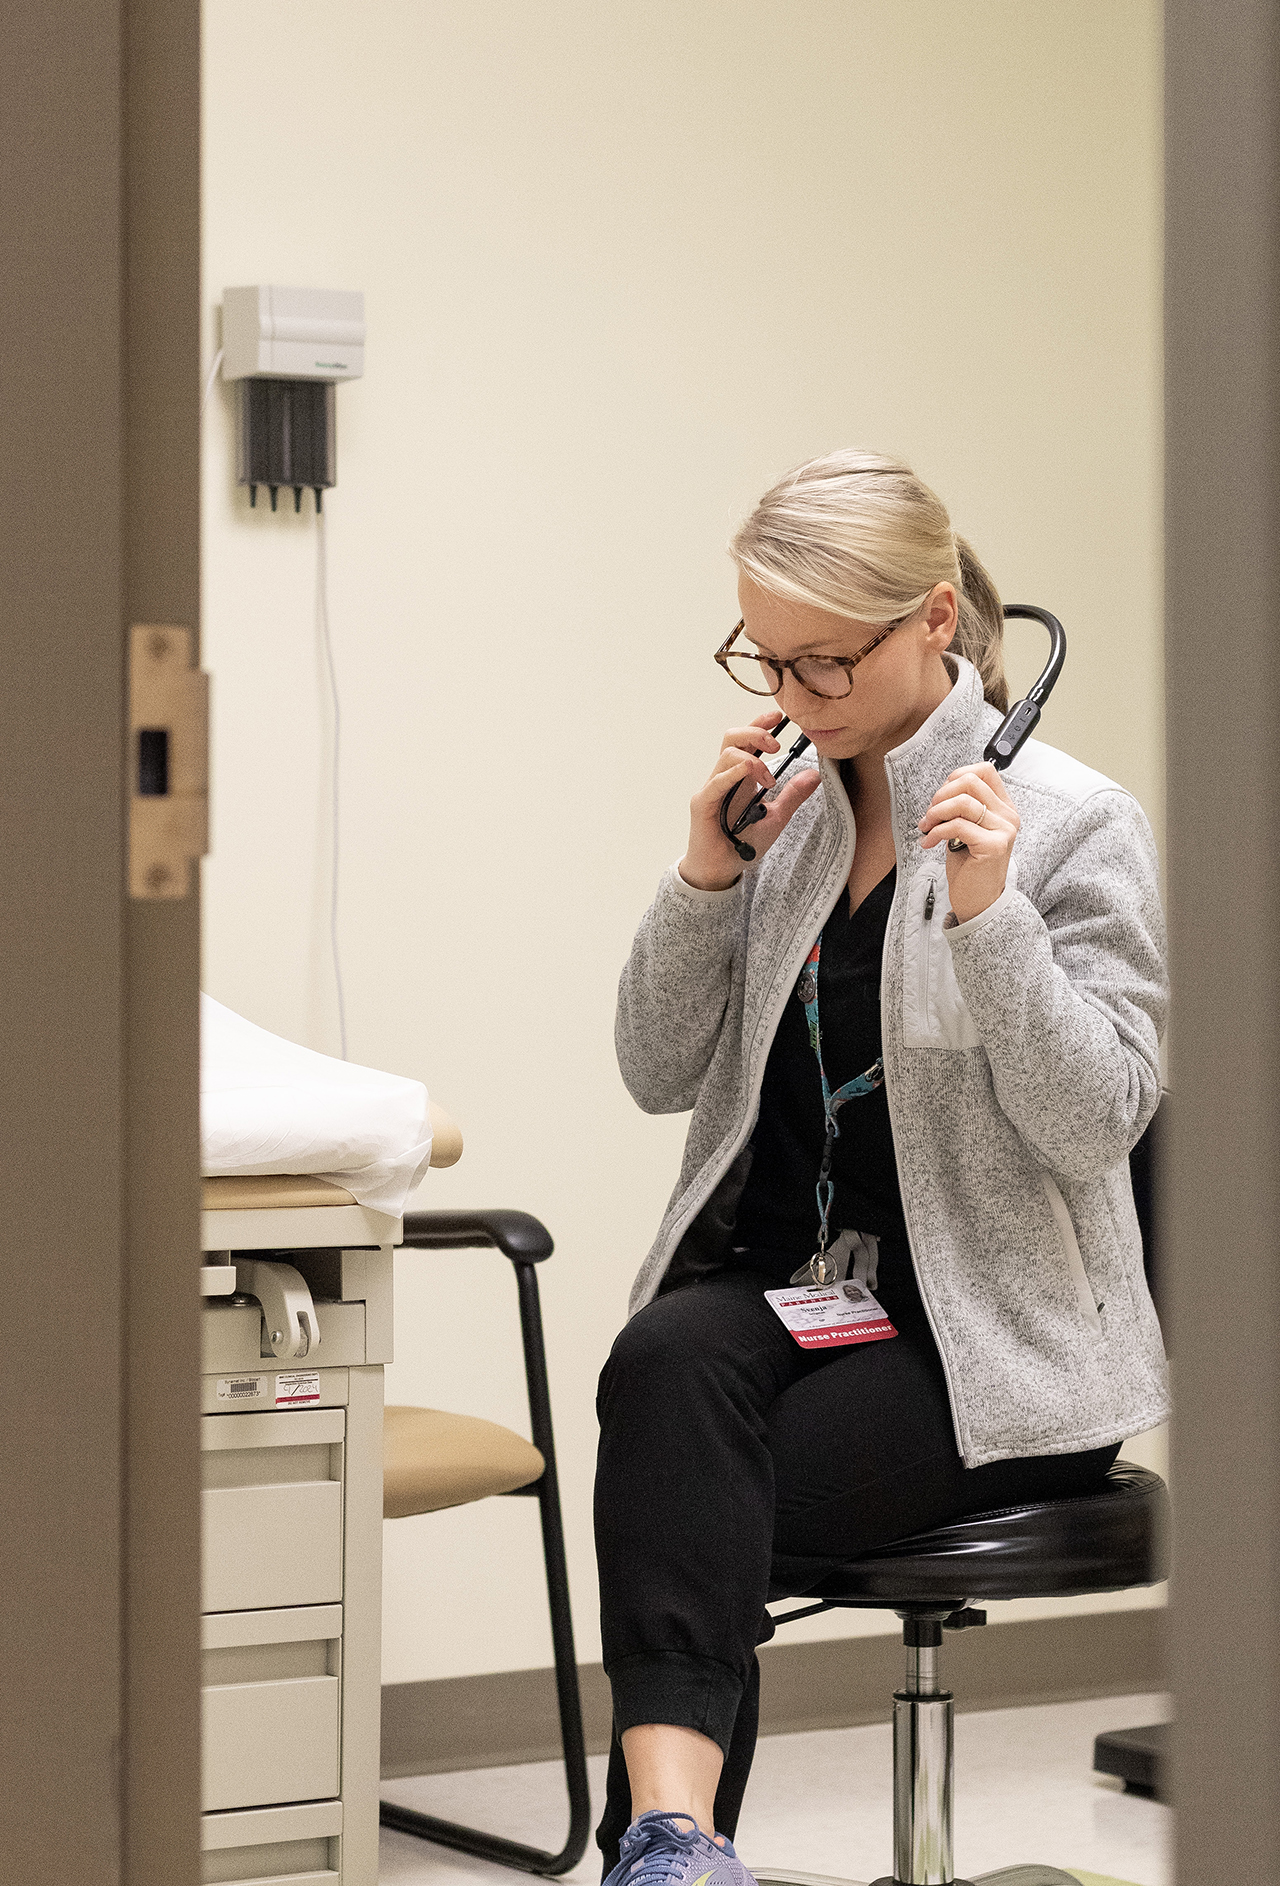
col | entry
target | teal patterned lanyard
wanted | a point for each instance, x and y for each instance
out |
(807, 993)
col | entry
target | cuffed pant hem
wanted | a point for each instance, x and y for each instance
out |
(670, 1686)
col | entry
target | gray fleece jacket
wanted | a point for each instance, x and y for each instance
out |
(1021, 1065)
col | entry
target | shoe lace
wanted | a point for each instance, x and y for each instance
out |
(662, 1861)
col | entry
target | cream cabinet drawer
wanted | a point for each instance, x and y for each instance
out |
(297, 1844)
(270, 1742)
(272, 1508)
(272, 1545)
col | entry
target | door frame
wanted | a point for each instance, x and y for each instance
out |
(99, 1078)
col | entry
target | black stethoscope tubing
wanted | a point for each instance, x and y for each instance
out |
(1001, 749)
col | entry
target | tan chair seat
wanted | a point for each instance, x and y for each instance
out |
(431, 1460)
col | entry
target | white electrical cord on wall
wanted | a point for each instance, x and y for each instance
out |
(325, 648)
(208, 385)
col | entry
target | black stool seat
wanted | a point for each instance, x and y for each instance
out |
(1106, 1540)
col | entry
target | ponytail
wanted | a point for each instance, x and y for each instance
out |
(980, 634)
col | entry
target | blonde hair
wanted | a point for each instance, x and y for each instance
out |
(864, 537)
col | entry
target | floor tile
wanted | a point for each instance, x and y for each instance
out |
(822, 1803)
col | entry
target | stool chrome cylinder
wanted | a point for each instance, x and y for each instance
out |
(923, 1732)
(922, 1788)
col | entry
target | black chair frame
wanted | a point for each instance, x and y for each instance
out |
(525, 1242)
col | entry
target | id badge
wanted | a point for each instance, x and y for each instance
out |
(832, 1316)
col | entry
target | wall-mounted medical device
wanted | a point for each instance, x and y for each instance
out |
(288, 348)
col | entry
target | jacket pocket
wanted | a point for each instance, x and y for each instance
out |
(1071, 1249)
(934, 1013)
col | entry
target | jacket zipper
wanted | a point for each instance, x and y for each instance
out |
(926, 956)
(1089, 1308)
(893, 1130)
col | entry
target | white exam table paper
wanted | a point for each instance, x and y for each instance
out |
(268, 1106)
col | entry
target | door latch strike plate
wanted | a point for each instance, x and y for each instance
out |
(168, 761)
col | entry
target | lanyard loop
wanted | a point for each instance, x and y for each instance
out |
(856, 1089)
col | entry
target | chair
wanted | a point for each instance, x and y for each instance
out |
(1106, 1540)
(1110, 1539)
(433, 1460)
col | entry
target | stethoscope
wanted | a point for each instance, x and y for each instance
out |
(1001, 749)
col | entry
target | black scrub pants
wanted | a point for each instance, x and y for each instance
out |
(735, 1466)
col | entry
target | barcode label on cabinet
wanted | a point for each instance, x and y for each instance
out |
(298, 1387)
(242, 1387)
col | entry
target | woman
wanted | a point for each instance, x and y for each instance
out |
(919, 1035)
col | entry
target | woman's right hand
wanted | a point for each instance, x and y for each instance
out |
(711, 863)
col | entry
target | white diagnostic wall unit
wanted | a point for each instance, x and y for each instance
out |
(292, 333)
(288, 348)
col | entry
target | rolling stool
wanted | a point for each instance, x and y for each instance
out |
(1107, 1540)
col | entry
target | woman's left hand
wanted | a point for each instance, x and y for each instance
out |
(973, 806)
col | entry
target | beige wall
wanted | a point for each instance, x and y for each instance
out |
(622, 266)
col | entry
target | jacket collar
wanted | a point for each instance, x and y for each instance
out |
(954, 735)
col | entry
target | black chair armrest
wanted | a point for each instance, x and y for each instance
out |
(517, 1234)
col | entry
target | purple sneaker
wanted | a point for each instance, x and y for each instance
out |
(663, 1849)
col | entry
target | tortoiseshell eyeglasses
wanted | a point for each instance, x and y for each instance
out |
(829, 677)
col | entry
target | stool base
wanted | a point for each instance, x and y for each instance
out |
(1027, 1876)
(886, 1879)
(1031, 1875)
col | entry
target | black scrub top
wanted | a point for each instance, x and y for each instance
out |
(778, 1216)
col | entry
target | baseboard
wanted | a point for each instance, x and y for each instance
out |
(509, 1717)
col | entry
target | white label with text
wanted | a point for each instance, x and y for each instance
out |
(298, 1388)
(241, 1387)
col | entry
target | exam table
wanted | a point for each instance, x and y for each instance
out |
(296, 1329)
